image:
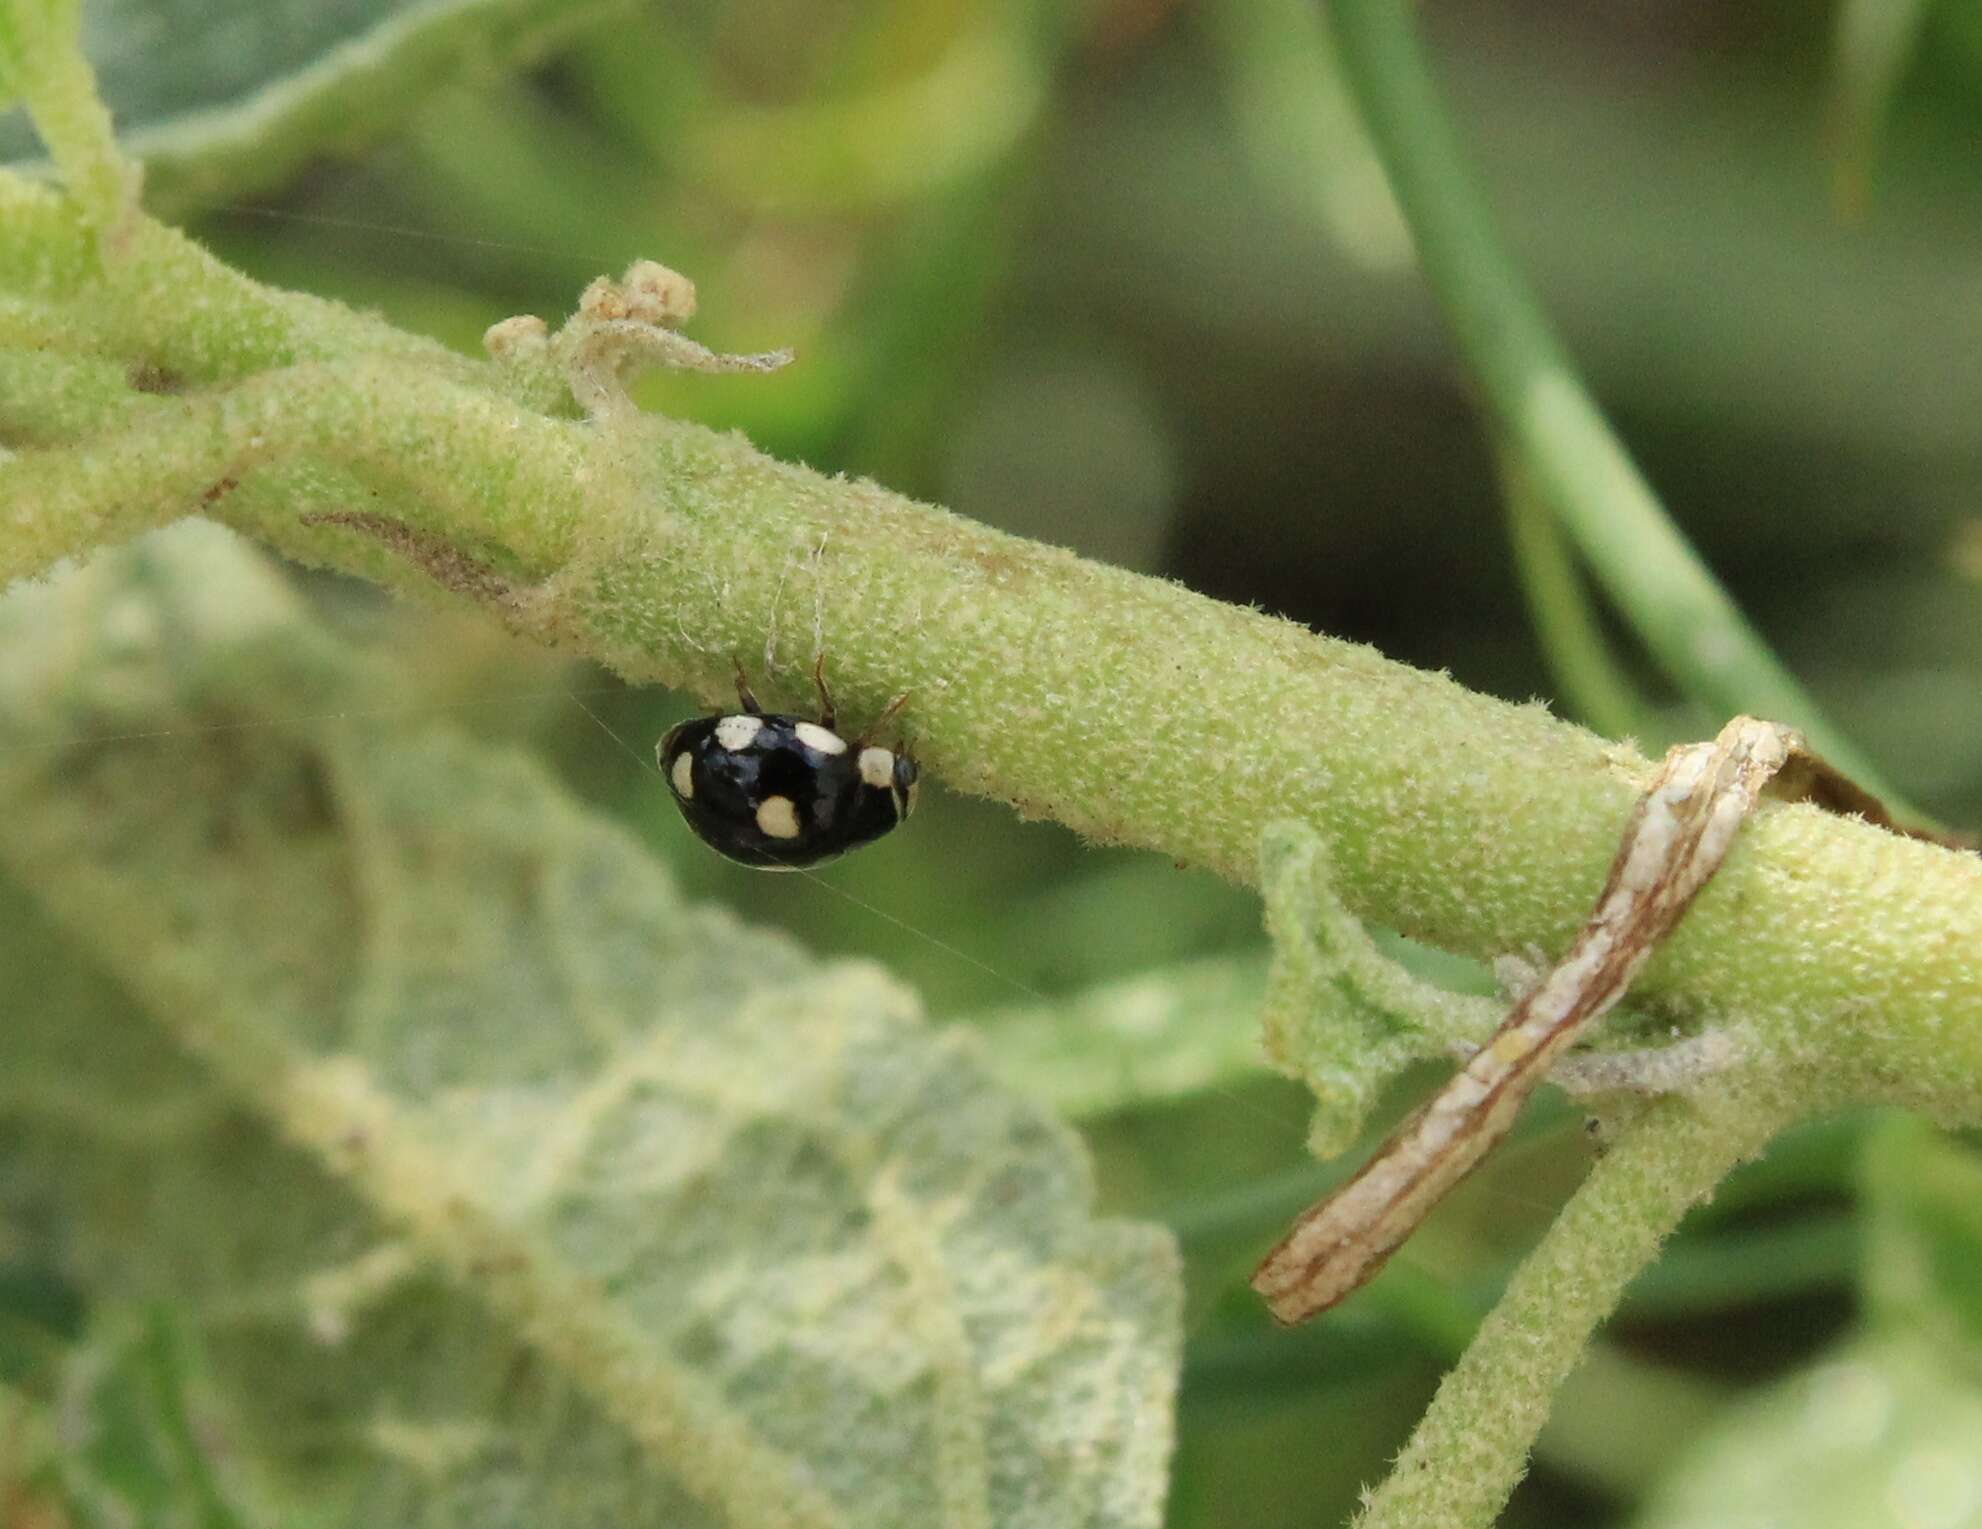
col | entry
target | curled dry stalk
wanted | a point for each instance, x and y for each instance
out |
(1470, 1449)
(1678, 835)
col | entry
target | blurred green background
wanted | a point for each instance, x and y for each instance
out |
(1109, 274)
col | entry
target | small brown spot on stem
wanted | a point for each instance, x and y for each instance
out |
(442, 561)
(150, 377)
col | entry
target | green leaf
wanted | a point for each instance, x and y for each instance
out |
(491, 1182)
(224, 97)
(1879, 1435)
(1923, 1252)
(1881, 1432)
(1340, 1015)
(1143, 1040)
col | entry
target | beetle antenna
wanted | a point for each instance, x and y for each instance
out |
(827, 715)
(743, 695)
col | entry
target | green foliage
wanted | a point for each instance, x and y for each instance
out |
(1135, 1042)
(1563, 446)
(1924, 1245)
(384, 1137)
(1339, 1014)
(1881, 1430)
(230, 96)
(1875, 42)
(1880, 1434)
(490, 1170)
(1457, 1467)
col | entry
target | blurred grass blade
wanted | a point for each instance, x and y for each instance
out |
(1299, 128)
(1545, 413)
(1596, 686)
(492, 1182)
(128, 1447)
(1875, 41)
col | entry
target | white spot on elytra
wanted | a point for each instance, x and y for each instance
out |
(683, 776)
(877, 768)
(735, 733)
(824, 739)
(777, 817)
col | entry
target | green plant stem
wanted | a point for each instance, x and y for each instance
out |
(1126, 707)
(1572, 639)
(429, 439)
(1543, 409)
(40, 62)
(1471, 1447)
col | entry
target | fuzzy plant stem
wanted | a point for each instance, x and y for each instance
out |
(1471, 1447)
(144, 381)
(41, 66)
(1538, 402)
(1129, 708)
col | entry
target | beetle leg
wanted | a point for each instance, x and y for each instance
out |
(887, 712)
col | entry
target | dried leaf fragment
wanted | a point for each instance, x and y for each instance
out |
(620, 327)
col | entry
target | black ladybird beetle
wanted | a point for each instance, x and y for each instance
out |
(781, 793)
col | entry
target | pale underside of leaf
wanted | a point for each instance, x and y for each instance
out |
(496, 1183)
